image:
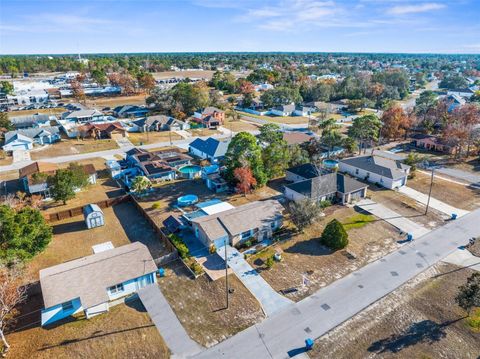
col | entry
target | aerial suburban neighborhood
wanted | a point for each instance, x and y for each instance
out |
(192, 204)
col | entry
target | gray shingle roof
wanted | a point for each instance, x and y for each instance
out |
(89, 277)
(379, 165)
(307, 170)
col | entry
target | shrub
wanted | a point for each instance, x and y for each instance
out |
(325, 204)
(269, 262)
(182, 248)
(334, 235)
(196, 268)
(156, 205)
(212, 249)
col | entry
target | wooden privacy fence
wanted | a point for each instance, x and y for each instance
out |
(77, 211)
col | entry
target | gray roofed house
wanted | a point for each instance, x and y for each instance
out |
(160, 123)
(377, 169)
(283, 110)
(252, 220)
(83, 115)
(302, 172)
(36, 120)
(332, 186)
(90, 283)
(39, 135)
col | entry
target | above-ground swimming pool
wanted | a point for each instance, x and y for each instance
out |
(190, 171)
(330, 164)
(187, 200)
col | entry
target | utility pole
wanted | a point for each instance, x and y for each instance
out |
(226, 274)
(429, 192)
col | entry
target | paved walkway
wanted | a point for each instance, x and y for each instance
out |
(434, 203)
(124, 142)
(392, 217)
(20, 156)
(284, 332)
(269, 299)
(463, 258)
(170, 328)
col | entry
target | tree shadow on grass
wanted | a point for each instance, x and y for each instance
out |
(309, 247)
(426, 331)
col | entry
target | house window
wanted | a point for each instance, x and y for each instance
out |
(67, 306)
(356, 171)
(116, 289)
(246, 234)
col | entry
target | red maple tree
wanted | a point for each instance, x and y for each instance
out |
(245, 179)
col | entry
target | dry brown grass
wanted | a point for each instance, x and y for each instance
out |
(454, 194)
(238, 126)
(46, 111)
(101, 102)
(123, 225)
(418, 320)
(126, 331)
(303, 253)
(73, 147)
(152, 137)
(199, 305)
(202, 132)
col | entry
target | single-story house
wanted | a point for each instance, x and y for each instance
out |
(83, 116)
(303, 110)
(256, 107)
(462, 92)
(129, 111)
(153, 166)
(335, 187)
(173, 157)
(102, 130)
(16, 141)
(282, 110)
(263, 87)
(255, 220)
(209, 117)
(94, 283)
(159, 123)
(36, 120)
(211, 149)
(93, 216)
(382, 171)
(33, 177)
(431, 142)
(454, 101)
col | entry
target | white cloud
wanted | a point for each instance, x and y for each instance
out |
(415, 9)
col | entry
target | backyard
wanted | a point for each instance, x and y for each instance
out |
(123, 224)
(418, 320)
(369, 239)
(200, 305)
(72, 147)
(126, 331)
(238, 126)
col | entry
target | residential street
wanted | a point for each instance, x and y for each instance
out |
(283, 334)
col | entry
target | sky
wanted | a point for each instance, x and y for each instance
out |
(109, 26)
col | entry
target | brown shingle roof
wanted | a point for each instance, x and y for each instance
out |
(37, 167)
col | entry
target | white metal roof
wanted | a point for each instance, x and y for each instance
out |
(102, 247)
(217, 208)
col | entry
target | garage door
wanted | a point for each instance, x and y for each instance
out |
(357, 195)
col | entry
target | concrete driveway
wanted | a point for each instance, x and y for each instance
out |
(269, 299)
(463, 258)
(434, 203)
(170, 328)
(392, 217)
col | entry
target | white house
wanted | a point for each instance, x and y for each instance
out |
(16, 141)
(465, 92)
(94, 283)
(382, 171)
(282, 110)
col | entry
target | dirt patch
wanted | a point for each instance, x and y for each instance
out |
(71, 240)
(304, 255)
(126, 331)
(418, 320)
(200, 305)
(45, 111)
(112, 102)
(238, 126)
(72, 147)
(203, 132)
(406, 207)
(152, 137)
(454, 194)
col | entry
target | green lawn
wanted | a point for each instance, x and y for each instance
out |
(358, 221)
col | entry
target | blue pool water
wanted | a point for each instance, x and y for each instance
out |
(190, 171)
(187, 200)
(330, 164)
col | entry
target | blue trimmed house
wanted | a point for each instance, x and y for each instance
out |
(210, 149)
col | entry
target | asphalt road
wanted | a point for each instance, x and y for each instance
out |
(283, 334)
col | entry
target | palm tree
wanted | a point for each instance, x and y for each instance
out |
(141, 184)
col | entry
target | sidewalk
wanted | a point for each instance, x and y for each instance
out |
(392, 217)
(269, 299)
(168, 325)
(434, 203)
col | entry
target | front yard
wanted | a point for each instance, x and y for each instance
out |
(126, 331)
(72, 147)
(454, 194)
(418, 320)
(145, 138)
(200, 305)
(369, 239)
